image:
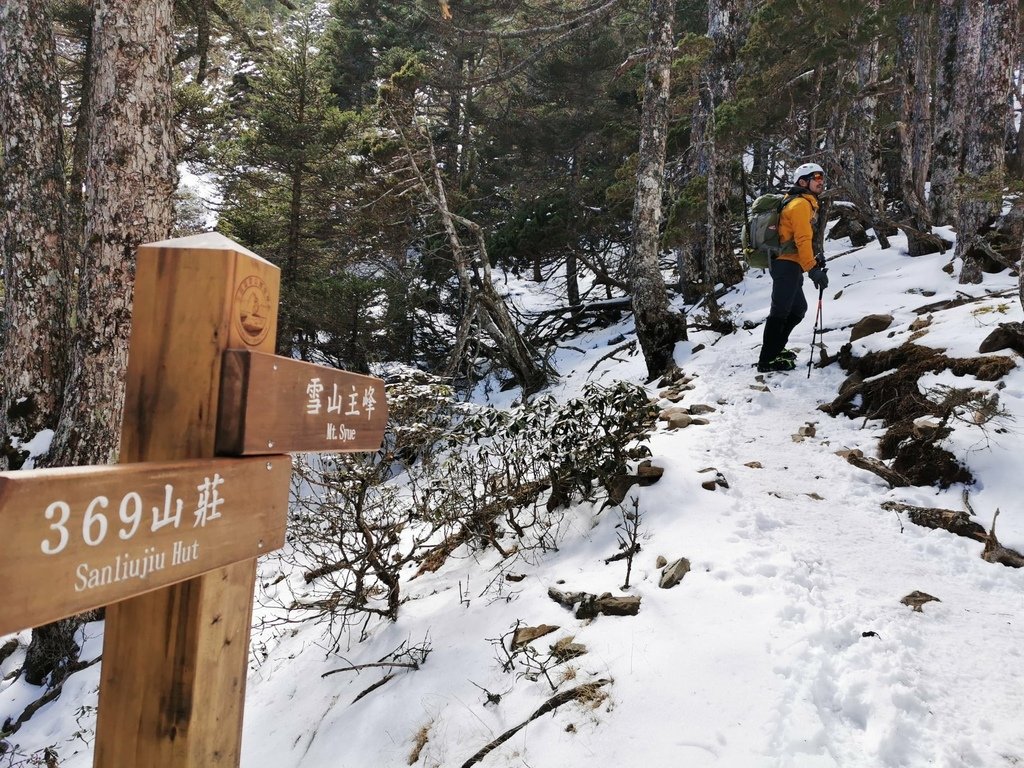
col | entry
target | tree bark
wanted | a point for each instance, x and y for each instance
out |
(728, 24)
(657, 327)
(955, 76)
(914, 124)
(863, 159)
(1015, 133)
(80, 152)
(36, 268)
(980, 196)
(129, 182)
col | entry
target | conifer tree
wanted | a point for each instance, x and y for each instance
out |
(279, 174)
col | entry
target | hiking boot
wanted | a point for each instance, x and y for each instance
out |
(787, 354)
(780, 363)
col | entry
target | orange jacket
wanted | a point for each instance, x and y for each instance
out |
(796, 226)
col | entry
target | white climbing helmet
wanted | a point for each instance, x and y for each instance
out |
(806, 170)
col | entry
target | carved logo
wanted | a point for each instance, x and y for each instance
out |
(252, 310)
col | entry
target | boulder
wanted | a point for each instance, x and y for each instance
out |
(700, 409)
(628, 605)
(673, 574)
(566, 649)
(869, 325)
(524, 635)
(618, 485)
(1006, 336)
(679, 420)
(588, 605)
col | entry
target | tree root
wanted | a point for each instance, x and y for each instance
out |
(995, 552)
(961, 524)
(10, 727)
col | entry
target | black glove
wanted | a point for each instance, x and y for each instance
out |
(819, 276)
(820, 260)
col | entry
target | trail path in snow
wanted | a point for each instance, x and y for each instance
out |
(852, 677)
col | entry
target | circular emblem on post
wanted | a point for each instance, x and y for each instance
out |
(252, 310)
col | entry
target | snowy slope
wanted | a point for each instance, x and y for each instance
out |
(786, 646)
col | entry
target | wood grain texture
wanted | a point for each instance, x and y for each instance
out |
(273, 404)
(80, 538)
(173, 678)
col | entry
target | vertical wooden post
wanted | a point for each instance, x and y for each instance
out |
(174, 660)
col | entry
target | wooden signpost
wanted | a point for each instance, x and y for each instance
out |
(168, 539)
(269, 401)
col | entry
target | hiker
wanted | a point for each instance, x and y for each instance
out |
(797, 225)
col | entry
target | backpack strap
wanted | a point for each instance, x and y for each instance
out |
(789, 246)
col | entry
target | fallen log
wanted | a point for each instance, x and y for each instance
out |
(590, 605)
(891, 476)
(950, 520)
(585, 692)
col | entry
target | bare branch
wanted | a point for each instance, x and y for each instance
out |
(235, 25)
(588, 691)
(585, 18)
(386, 664)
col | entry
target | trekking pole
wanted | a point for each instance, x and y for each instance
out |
(817, 322)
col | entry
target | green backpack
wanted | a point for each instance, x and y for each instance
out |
(760, 235)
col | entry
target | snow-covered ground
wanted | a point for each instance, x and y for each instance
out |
(785, 646)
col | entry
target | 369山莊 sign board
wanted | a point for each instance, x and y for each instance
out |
(81, 537)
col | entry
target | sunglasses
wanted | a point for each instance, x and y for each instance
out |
(817, 177)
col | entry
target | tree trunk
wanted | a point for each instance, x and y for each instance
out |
(492, 312)
(201, 9)
(80, 153)
(981, 195)
(728, 23)
(955, 77)
(913, 68)
(572, 283)
(36, 268)
(296, 171)
(129, 183)
(863, 160)
(657, 327)
(482, 301)
(1015, 133)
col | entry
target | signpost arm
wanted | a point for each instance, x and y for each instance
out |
(175, 659)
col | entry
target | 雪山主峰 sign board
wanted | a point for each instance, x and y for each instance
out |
(82, 537)
(273, 404)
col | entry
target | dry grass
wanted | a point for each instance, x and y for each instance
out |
(422, 737)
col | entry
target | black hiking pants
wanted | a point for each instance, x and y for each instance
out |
(788, 307)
